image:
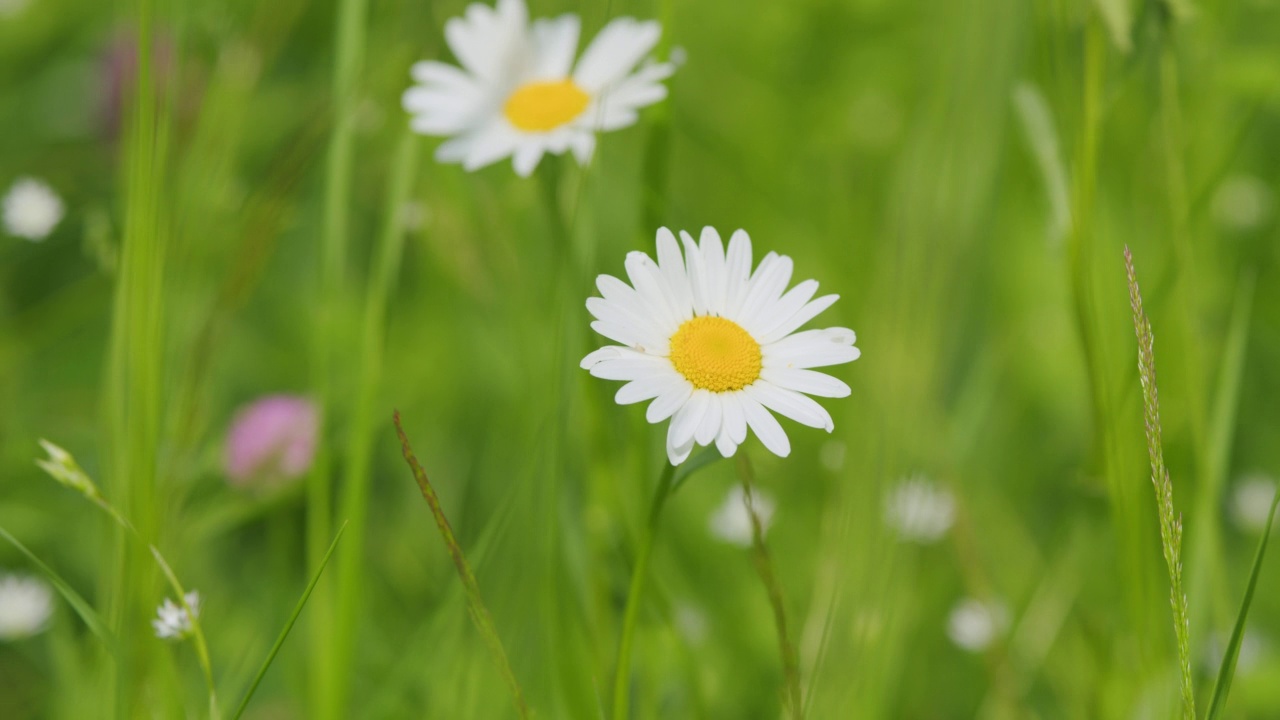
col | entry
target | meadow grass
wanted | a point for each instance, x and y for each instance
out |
(253, 216)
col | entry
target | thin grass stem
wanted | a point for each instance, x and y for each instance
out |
(792, 695)
(475, 603)
(622, 673)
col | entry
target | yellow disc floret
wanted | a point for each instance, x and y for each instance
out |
(715, 354)
(545, 105)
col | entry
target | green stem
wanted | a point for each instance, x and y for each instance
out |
(475, 603)
(764, 566)
(355, 486)
(622, 676)
(328, 686)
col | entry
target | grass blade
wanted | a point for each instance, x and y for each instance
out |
(479, 613)
(284, 633)
(73, 598)
(1228, 669)
(704, 458)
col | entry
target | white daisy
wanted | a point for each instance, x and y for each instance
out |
(714, 345)
(731, 522)
(919, 510)
(172, 620)
(31, 209)
(519, 93)
(25, 606)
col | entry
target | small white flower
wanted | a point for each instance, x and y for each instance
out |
(731, 522)
(919, 510)
(519, 92)
(974, 624)
(1251, 502)
(1242, 202)
(714, 345)
(172, 620)
(31, 209)
(26, 603)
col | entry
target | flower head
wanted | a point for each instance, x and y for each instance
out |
(31, 209)
(714, 344)
(272, 440)
(974, 624)
(173, 622)
(519, 92)
(919, 510)
(731, 522)
(26, 603)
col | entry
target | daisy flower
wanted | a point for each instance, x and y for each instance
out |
(519, 92)
(714, 345)
(31, 210)
(172, 620)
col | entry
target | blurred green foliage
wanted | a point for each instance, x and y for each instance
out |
(880, 145)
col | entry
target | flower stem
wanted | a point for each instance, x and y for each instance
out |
(622, 675)
(764, 566)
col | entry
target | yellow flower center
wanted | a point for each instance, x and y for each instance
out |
(545, 105)
(715, 354)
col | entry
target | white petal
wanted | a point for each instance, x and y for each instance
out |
(806, 381)
(677, 453)
(614, 52)
(488, 41)
(646, 388)
(583, 145)
(735, 418)
(647, 331)
(490, 145)
(641, 89)
(631, 368)
(724, 443)
(710, 425)
(766, 286)
(788, 403)
(713, 262)
(671, 263)
(798, 318)
(666, 404)
(555, 42)
(649, 282)
(527, 156)
(629, 335)
(697, 272)
(688, 418)
(737, 265)
(608, 352)
(811, 348)
(761, 323)
(766, 427)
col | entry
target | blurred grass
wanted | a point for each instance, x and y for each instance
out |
(876, 142)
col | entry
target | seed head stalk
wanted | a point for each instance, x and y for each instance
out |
(1170, 521)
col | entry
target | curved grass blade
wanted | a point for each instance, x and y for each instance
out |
(284, 633)
(73, 598)
(1228, 669)
(708, 455)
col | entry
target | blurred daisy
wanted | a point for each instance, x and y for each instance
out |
(26, 603)
(31, 209)
(272, 440)
(1251, 502)
(519, 92)
(919, 510)
(731, 522)
(172, 620)
(714, 345)
(974, 624)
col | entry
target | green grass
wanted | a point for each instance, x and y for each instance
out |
(964, 175)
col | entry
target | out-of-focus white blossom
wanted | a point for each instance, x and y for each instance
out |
(173, 622)
(31, 209)
(731, 522)
(974, 624)
(919, 510)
